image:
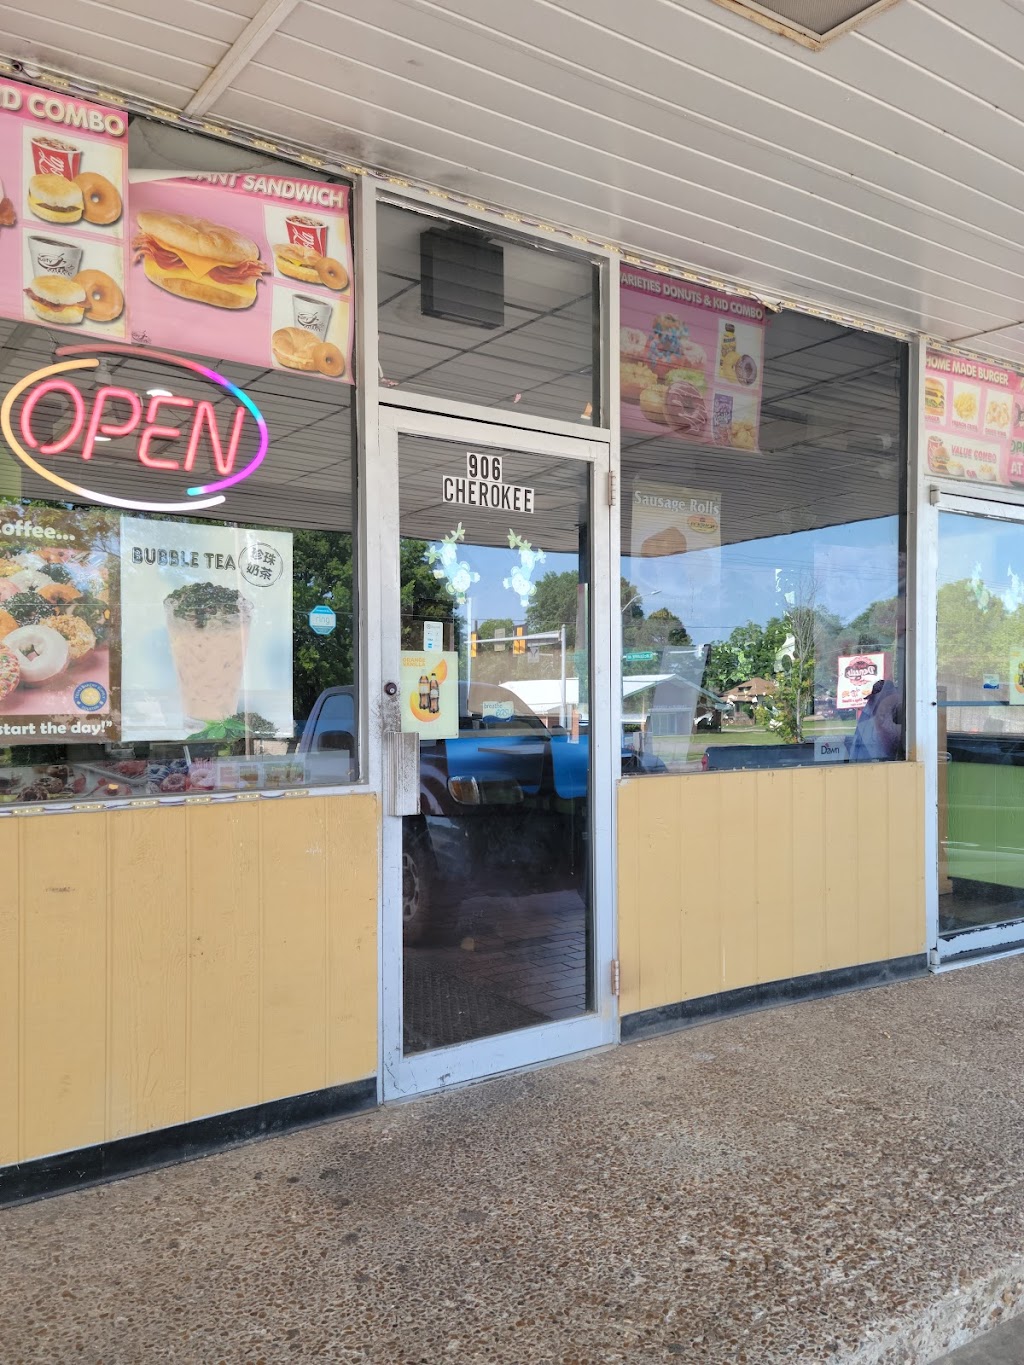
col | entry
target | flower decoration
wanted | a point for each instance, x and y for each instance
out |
(520, 580)
(445, 563)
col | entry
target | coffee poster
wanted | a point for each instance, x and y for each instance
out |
(691, 361)
(206, 631)
(63, 184)
(58, 625)
(252, 267)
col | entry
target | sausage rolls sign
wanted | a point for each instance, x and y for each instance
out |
(256, 268)
(62, 211)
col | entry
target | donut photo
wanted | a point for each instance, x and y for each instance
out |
(55, 620)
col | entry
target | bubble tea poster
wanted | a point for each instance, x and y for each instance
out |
(257, 266)
(206, 630)
(63, 181)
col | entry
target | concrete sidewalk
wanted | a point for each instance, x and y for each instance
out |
(1003, 1345)
(837, 1181)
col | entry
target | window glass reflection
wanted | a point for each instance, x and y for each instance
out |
(763, 588)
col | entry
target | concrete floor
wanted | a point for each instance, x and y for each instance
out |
(837, 1181)
(1003, 1345)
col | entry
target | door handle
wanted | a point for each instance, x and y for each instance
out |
(401, 773)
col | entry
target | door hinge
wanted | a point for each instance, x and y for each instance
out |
(615, 975)
(612, 490)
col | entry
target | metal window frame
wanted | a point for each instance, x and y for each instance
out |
(935, 495)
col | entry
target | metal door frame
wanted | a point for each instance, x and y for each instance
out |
(423, 1072)
(944, 496)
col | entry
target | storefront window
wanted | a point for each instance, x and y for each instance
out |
(177, 596)
(763, 460)
(470, 315)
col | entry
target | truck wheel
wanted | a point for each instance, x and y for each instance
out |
(417, 878)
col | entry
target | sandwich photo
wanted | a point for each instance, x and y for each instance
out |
(297, 262)
(55, 199)
(934, 397)
(57, 299)
(197, 259)
(294, 348)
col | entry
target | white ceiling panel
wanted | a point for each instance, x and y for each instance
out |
(564, 195)
(663, 168)
(880, 176)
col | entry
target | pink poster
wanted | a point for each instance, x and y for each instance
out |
(690, 361)
(62, 211)
(58, 625)
(249, 267)
(974, 420)
(858, 675)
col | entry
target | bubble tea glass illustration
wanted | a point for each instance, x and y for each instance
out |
(208, 627)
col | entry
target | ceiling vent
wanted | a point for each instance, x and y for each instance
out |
(813, 23)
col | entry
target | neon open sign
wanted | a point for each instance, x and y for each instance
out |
(117, 412)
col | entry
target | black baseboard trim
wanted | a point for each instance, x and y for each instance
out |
(689, 1013)
(184, 1142)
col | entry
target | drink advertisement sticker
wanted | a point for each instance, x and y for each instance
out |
(974, 420)
(690, 361)
(62, 210)
(1016, 688)
(58, 581)
(258, 266)
(430, 694)
(858, 674)
(206, 630)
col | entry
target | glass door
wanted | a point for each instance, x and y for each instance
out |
(497, 934)
(980, 727)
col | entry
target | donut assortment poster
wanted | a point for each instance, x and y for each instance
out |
(58, 604)
(252, 267)
(62, 211)
(974, 419)
(690, 361)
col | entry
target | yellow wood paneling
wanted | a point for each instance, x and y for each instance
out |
(10, 993)
(734, 850)
(809, 856)
(776, 827)
(164, 964)
(629, 901)
(148, 985)
(351, 940)
(701, 936)
(843, 854)
(294, 948)
(744, 878)
(63, 956)
(223, 944)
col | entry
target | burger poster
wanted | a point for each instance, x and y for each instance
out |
(62, 211)
(250, 267)
(206, 630)
(58, 595)
(973, 420)
(690, 361)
